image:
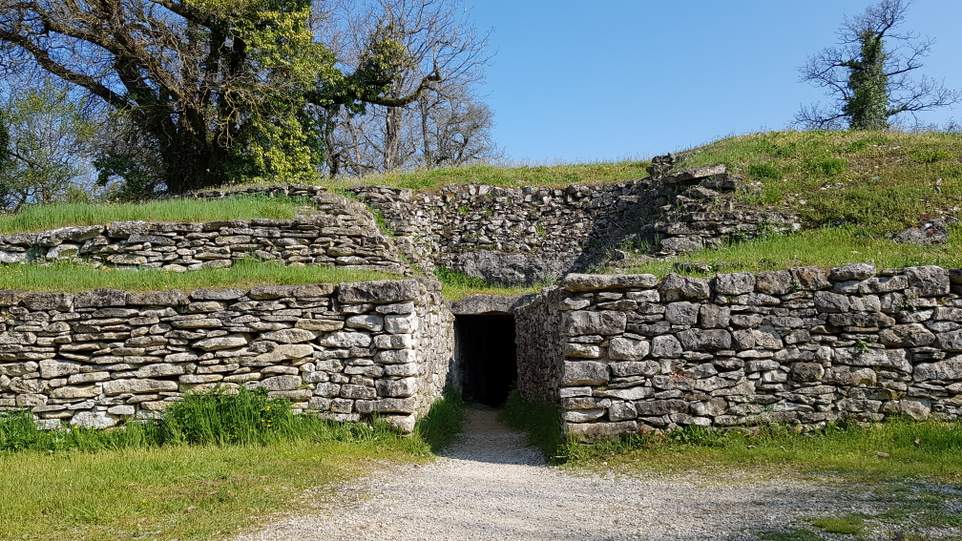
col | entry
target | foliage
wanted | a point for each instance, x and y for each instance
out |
(871, 74)
(221, 90)
(77, 277)
(46, 136)
(43, 217)
(508, 176)
(867, 108)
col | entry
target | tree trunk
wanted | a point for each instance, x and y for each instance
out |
(426, 154)
(392, 138)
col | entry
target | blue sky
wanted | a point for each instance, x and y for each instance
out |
(612, 79)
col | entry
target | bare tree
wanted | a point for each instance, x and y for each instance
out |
(455, 128)
(872, 74)
(445, 57)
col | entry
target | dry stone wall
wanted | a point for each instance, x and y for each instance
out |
(526, 235)
(345, 352)
(336, 232)
(803, 346)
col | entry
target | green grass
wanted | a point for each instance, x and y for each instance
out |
(443, 422)
(541, 421)
(457, 285)
(519, 176)
(70, 277)
(893, 450)
(214, 466)
(825, 247)
(849, 524)
(878, 181)
(43, 217)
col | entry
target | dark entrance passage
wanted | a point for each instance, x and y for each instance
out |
(486, 356)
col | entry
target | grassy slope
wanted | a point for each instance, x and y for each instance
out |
(42, 217)
(176, 492)
(852, 190)
(76, 277)
(876, 181)
(134, 482)
(823, 247)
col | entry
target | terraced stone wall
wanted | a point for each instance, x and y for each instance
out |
(802, 346)
(527, 235)
(346, 352)
(336, 232)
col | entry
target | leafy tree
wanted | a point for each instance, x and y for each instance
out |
(871, 74)
(224, 89)
(47, 136)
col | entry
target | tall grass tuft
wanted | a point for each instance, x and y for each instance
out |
(220, 418)
(247, 417)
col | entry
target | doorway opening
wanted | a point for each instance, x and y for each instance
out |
(486, 356)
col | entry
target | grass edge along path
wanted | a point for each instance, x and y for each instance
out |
(894, 449)
(215, 466)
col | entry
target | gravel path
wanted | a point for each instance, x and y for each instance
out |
(490, 485)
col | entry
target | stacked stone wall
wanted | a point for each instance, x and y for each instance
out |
(335, 232)
(803, 346)
(527, 235)
(346, 352)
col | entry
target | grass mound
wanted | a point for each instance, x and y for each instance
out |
(44, 217)
(877, 181)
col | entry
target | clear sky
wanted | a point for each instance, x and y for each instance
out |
(611, 79)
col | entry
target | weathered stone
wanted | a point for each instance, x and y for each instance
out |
(626, 349)
(581, 351)
(603, 323)
(281, 383)
(92, 419)
(289, 336)
(738, 283)
(137, 386)
(584, 373)
(705, 339)
(50, 369)
(930, 280)
(369, 322)
(682, 313)
(222, 342)
(346, 340)
(675, 287)
(666, 346)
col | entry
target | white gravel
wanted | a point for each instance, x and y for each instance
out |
(490, 485)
